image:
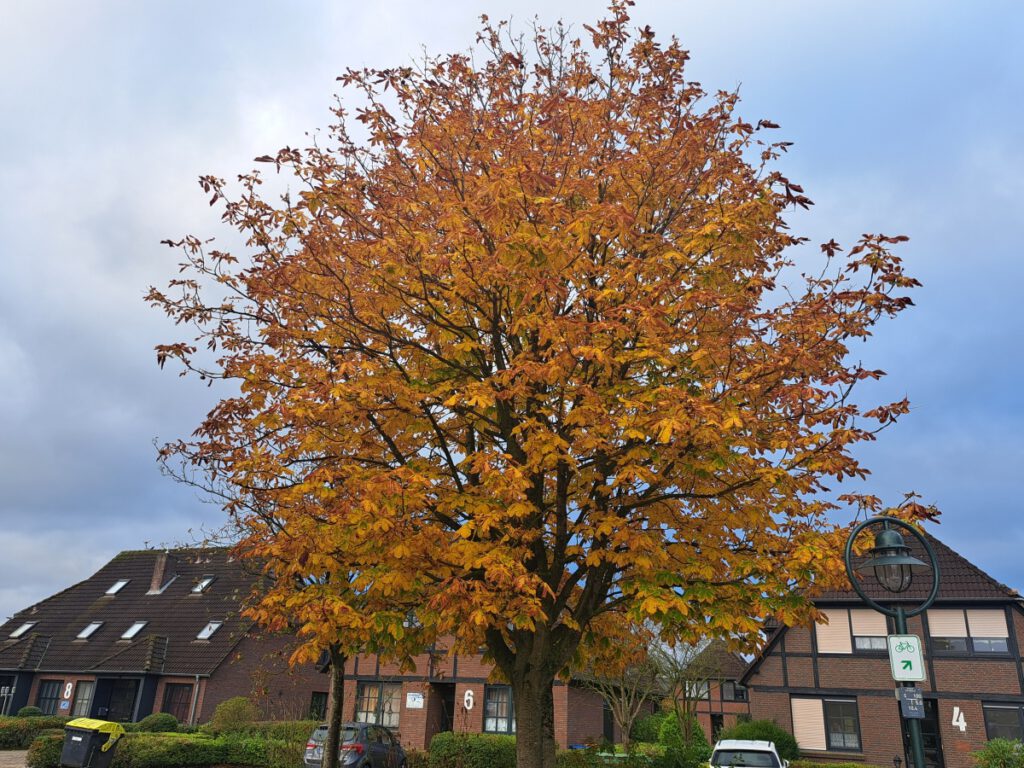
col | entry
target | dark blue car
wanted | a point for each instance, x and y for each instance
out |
(363, 745)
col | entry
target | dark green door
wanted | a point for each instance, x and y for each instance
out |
(929, 735)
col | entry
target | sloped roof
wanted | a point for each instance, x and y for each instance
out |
(959, 581)
(167, 644)
(717, 662)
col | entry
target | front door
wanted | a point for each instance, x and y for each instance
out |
(929, 735)
(122, 700)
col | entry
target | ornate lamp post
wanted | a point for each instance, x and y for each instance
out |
(893, 568)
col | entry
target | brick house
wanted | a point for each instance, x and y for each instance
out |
(150, 631)
(720, 697)
(832, 687)
(159, 631)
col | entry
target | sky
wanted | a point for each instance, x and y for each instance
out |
(906, 118)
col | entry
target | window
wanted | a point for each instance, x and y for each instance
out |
(83, 698)
(698, 691)
(209, 629)
(203, 584)
(379, 703)
(23, 629)
(869, 643)
(49, 696)
(178, 700)
(1003, 721)
(857, 630)
(88, 632)
(968, 632)
(318, 705)
(133, 630)
(117, 586)
(842, 728)
(499, 709)
(733, 691)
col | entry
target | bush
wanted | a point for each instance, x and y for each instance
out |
(1000, 753)
(233, 716)
(417, 758)
(686, 746)
(30, 712)
(158, 722)
(45, 750)
(283, 730)
(593, 758)
(20, 732)
(645, 729)
(812, 764)
(465, 750)
(765, 730)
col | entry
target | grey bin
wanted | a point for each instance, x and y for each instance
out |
(89, 743)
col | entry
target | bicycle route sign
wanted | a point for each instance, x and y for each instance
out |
(905, 658)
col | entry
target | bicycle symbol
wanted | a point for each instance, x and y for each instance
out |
(904, 647)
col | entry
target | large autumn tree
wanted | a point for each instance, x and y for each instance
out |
(525, 345)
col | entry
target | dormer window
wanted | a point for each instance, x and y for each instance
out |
(117, 586)
(203, 584)
(23, 629)
(209, 630)
(88, 632)
(133, 630)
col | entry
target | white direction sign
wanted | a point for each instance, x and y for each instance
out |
(905, 657)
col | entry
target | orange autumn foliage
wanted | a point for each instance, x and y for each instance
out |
(533, 352)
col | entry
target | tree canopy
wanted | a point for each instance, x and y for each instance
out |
(530, 346)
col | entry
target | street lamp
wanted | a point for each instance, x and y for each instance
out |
(893, 568)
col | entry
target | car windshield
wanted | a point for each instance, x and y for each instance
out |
(348, 735)
(744, 757)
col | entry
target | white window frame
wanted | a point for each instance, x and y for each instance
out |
(133, 630)
(23, 629)
(89, 630)
(117, 586)
(203, 584)
(209, 630)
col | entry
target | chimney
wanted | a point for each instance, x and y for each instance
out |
(163, 573)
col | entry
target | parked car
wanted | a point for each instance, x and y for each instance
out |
(363, 745)
(744, 753)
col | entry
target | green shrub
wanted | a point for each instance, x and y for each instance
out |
(19, 732)
(465, 750)
(812, 764)
(765, 730)
(233, 716)
(686, 746)
(595, 758)
(417, 758)
(285, 730)
(1000, 753)
(645, 729)
(30, 712)
(158, 722)
(45, 750)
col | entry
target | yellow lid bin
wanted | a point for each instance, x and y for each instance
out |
(89, 743)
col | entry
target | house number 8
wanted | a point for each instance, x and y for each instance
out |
(67, 691)
(467, 699)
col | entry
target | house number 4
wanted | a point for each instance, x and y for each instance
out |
(958, 719)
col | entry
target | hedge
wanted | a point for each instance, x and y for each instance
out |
(765, 730)
(812, 764)
(159, 722)
(19, 732)
(464, 750)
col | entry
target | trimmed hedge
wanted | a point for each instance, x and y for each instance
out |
(19, 732)
(812, 764)
(765, 730)
(30, 712)
(45, 751)
(159, 722)
(465, 750)
(417, 758)
(233, 716)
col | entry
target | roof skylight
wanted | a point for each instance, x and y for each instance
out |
(88, 632)
(203, 584)
(133, 630)
(117, 586)
(209, 629)
(23, 629)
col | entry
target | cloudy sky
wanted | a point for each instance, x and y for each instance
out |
(906, 118)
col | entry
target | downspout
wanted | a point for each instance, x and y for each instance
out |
(195, 699)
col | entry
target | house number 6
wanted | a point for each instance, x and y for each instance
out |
(467, 699)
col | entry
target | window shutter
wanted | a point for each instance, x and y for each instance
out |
(987, 623)
(868, 623)
(834, 637)
(808, 723)
(947, 623)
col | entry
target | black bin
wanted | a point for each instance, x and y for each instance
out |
(89, 743)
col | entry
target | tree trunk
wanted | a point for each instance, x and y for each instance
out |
(335, 702)
(535, 719)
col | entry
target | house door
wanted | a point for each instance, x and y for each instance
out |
(6, 693)
(122, 700)
(929, 735)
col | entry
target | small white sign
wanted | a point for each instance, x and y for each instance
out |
(905, 658)
(413, 700)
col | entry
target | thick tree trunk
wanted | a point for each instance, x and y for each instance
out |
(535, 718)
(335, 701)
